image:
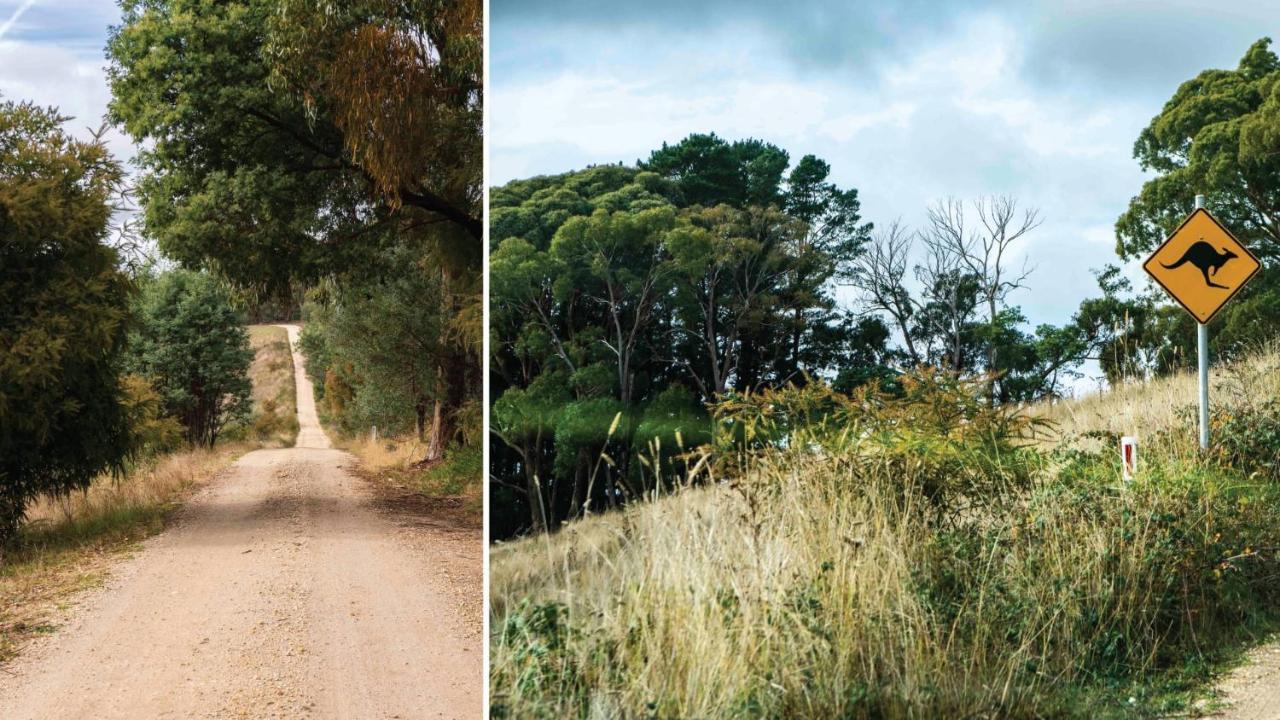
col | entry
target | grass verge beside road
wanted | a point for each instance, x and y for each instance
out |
(453, 485)
(893, 562)
(69, 544)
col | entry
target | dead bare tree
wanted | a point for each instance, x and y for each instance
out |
(878, 275)
(941, 274)
(983, 252)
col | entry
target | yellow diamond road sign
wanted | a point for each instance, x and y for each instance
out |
(1202, 265)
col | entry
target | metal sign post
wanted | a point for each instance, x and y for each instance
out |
(1202, 359)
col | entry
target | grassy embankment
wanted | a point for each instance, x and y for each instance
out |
(918, 567)
(67, 544)
(453, 484)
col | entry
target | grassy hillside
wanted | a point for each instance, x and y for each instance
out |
(275, 396)
(67, 544)
(840, 582)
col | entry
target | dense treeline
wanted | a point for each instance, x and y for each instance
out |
(637, 294)
(330, 157)
(626, 299)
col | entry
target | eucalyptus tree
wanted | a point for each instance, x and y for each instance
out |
(1217, 135)
(623, 299)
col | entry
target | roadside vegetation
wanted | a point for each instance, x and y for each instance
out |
(67, 542)
(324, 161)
(913, 555)
(453, 485)
(879, 509)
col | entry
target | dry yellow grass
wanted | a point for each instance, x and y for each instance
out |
(385, 452)
(1142, 409)
(67, 544)
(454, 483)
(275, 401)
(801, 589)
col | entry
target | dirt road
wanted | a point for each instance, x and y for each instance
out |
(282, 590)
(1252, 691)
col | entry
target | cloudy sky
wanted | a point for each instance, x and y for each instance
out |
(909, 101)
(51, 52)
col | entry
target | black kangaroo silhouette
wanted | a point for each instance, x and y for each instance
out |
(1207, 259)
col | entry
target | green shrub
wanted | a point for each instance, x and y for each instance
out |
(154, 432)
(934, 432)
(1247, 438)
(193, 348)
(461, 468)
(541, 636)
(65, 312)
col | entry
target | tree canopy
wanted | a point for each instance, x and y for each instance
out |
(66, 311)
(281, 140)
(623, 299)
(193, 347)
(1218, 135)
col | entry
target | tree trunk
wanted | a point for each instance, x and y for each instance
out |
(581, 475)
(991, 352)
(435, 438)
(420, 419)
(537, 512)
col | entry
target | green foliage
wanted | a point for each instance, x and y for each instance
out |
(935, 431)
(1218, 135)
(62, 414)
(193, 348)
(712, 265)
(461, 468)
(155, 432)
(385, 351)
(1247, 438)
(542, 634)
(403, 83)
(254, 116)
(291, 146)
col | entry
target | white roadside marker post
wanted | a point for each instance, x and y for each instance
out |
(1202, 346)
(1129, 457)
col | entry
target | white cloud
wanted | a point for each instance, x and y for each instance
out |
(50, 75)
(956, 119)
